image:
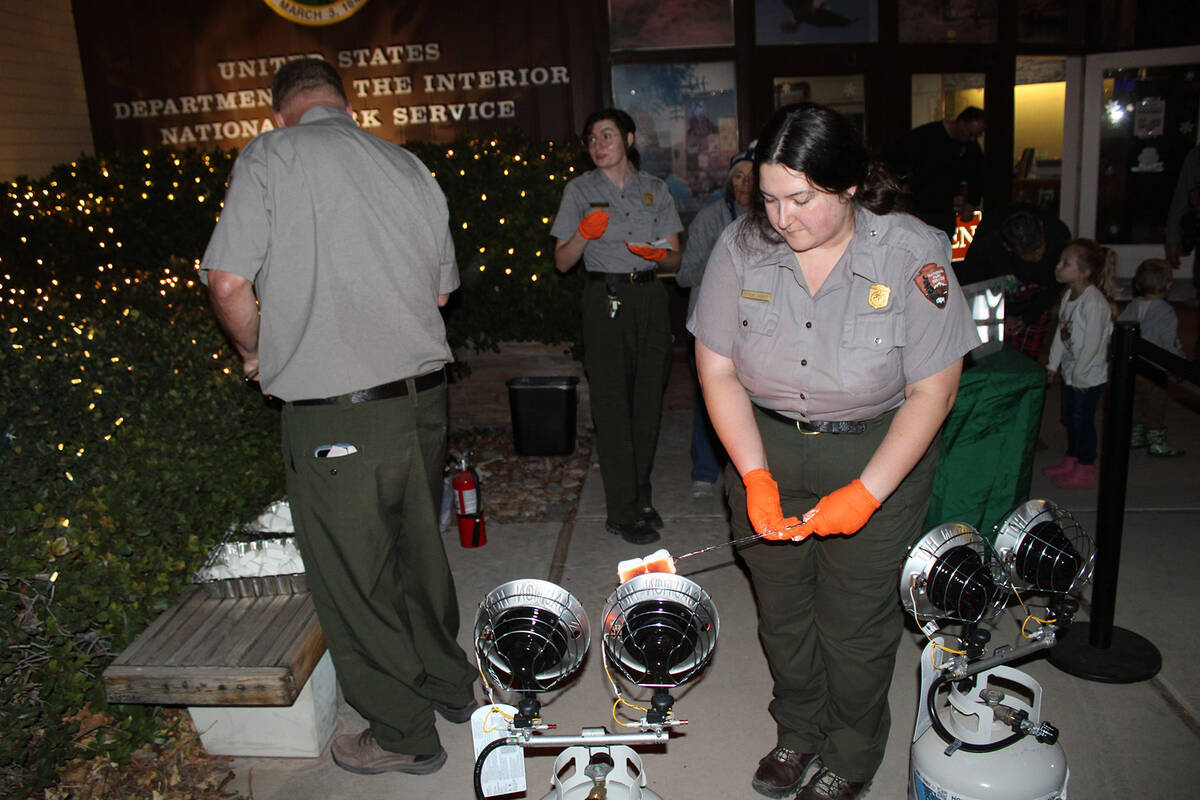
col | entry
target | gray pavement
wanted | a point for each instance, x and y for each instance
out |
(1121, 740)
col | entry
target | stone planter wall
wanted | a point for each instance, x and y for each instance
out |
(480, 400)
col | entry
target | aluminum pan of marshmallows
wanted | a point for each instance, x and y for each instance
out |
(256, 560)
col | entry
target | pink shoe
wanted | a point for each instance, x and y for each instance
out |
(1061, 468)
(1083, 476)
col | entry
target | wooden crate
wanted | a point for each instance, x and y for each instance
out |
(221, 651)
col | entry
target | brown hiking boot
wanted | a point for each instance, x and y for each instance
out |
(827, 785)
(361, 754)
(780, 771)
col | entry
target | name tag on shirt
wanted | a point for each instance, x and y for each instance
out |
(750, 294)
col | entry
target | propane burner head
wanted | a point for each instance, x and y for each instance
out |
(659, 629)
(1044, 548)
(530, 634)
(952, 573)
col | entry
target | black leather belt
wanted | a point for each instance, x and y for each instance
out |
(817, 425)
(644, 276)
(383, 391)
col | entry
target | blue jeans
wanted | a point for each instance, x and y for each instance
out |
(1079, 415)
(707, 452)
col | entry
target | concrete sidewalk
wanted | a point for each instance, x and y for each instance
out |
(1122, 741)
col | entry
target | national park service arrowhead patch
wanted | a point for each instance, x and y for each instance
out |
(932, 281)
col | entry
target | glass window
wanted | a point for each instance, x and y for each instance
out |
(937, 96)
(843, 93)
(686, 116)
(1039, 103)
(1147, 126)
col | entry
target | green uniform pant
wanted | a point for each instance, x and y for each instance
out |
(627, 359)
(828, 610)
(367, 526)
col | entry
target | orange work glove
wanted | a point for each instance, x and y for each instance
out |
(594, 224)
(647, 252)
(762, 505)
(843, 511)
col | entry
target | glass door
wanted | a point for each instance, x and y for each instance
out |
(1140, 116)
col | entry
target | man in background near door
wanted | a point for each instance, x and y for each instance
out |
(936, 162)
(344, 241)
(1024, 241)
(1183, 224)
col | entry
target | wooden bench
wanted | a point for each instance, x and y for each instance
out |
(228, 652)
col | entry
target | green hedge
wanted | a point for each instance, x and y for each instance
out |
(127, 442)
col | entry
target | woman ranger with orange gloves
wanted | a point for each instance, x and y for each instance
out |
(624, 225)
(830, 334)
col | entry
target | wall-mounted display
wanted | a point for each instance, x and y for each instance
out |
(947, 21)
(686, 116)
(815, 21)
(1044, 22)
(638, 25)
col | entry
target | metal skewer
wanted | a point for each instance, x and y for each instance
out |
(733, 542)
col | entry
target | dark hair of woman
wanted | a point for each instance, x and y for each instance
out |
(821, 143)
(625, 125)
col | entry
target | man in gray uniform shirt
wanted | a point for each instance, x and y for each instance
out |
(344, 240)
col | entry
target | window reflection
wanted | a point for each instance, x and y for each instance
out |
(1148, 126)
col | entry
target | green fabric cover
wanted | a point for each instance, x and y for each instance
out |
(988, 441)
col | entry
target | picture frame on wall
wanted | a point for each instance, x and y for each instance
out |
(638, 25)
(1044, 22)
(686, 117)
(948, 21)
(815, 21)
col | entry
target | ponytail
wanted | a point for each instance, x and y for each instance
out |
(1101, 263)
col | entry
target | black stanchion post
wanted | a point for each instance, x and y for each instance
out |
(1098, 650)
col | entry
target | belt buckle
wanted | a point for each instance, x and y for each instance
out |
(804, 432)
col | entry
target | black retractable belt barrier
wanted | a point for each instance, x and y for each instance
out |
(1097, 650)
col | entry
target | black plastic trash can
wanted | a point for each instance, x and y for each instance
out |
(543, 415)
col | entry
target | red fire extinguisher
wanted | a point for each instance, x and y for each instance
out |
(471, 532)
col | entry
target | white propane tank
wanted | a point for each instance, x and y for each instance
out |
(1024, 770)
(576, 771)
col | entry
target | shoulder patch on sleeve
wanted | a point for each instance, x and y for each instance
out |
(932, 281)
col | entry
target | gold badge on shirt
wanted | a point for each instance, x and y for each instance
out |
(879, 295)
(751, 294)
(649, 198)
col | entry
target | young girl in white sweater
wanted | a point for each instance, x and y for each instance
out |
(1079, 354)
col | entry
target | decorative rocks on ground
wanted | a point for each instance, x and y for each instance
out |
(522, 488)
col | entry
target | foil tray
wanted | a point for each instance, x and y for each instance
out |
(249, 586)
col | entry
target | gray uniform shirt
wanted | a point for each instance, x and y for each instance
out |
(641, 211)
(890, 314)
(347, 240)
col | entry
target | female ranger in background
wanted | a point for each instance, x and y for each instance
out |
(624, 225)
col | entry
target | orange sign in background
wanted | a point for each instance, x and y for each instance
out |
(964, 234)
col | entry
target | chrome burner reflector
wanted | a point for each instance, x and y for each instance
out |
(659, 629)
(530, 634)
(953, 573)
(1044, 548)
